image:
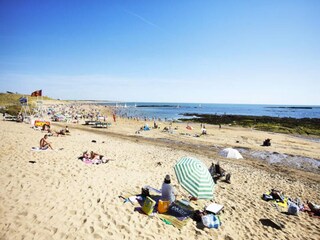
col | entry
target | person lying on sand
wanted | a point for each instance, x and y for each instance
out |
(314, 208)
(62, 132)
(94, 157)
(44, 144)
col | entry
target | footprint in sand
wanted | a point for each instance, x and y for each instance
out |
(23, 213)
(97, 236)
(73, 212)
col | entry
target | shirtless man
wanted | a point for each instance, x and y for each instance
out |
(44, 144)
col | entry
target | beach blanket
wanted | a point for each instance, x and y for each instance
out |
(283, 204)
(173, 220)
(93, 161)
(37, 149)
(179, 210)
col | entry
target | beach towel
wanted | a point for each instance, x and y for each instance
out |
(173, 220)
(37, 149)
(180, 210)
(284, 204)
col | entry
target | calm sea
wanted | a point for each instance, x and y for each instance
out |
(176, 110)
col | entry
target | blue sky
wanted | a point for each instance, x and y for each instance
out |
(168, 51)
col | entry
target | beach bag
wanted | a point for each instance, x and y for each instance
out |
(293, 209)
(148, 205)
(267, 197)
(163, 206)
(145, 192)
(211, 221)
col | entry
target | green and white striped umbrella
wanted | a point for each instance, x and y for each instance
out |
(194, 177)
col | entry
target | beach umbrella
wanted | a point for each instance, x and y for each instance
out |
(231, 153)
(194, 177)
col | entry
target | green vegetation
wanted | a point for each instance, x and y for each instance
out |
(10, 104)
(304, 126)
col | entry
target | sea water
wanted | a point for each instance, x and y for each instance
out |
(175, 111)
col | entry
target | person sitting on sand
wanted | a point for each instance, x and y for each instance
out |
(46, 128)
(216, 172)
(167, 190)
(165, 129)
(85, 156)
(155, 125)
(267, 142)
(94, 155)
(44, 144)
(277, 195)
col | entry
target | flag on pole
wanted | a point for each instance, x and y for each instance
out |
(37, 93)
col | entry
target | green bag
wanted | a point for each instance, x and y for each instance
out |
(148, 205)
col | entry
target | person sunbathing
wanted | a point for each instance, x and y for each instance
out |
(314, 208)
(61, 132)
(44, 144)
(94, 155)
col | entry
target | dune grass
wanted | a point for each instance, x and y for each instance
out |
(10, 102)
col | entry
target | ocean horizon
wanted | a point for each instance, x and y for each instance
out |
(174, 111)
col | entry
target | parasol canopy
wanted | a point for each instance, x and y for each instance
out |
(194, 177)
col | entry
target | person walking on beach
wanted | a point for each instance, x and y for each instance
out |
(44, 144)
(114, 117)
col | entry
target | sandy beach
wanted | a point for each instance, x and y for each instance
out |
(53, 195)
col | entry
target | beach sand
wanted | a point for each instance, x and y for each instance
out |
(53, 195)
